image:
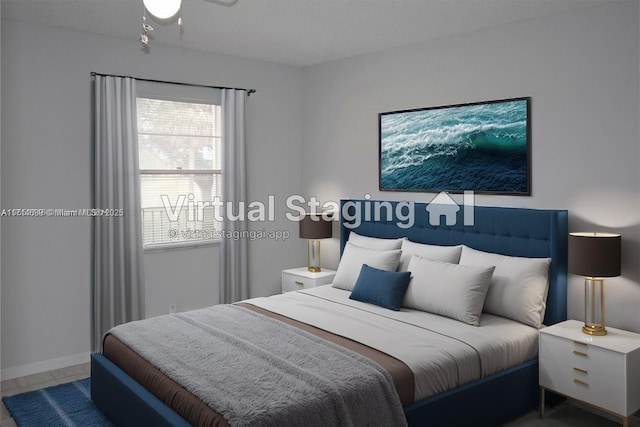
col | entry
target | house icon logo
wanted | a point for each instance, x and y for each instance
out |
(444, 206)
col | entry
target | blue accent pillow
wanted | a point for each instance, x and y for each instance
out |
(381, 287)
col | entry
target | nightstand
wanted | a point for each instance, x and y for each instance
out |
(603, 371)
(296, 279)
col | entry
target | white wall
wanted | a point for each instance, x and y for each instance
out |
(46, 163)
(581, 69)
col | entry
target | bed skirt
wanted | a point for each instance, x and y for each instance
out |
(488, 402)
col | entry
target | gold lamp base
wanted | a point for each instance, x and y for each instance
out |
(313, 256)
(594, 306)
(598, 330)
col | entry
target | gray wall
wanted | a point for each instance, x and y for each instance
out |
(580, 69)
(312, 130)
(0, 201)
(46, 163)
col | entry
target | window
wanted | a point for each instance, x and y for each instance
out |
(179, 145)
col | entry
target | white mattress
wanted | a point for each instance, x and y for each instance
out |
(442, 353)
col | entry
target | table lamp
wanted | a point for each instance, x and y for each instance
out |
(595, 256)
(314, 227)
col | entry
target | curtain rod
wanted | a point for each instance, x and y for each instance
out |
(249, 91)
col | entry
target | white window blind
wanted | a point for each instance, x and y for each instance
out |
(179, 146)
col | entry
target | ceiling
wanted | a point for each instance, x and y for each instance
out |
(292, 32)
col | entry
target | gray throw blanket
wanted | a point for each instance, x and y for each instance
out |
(257, 371)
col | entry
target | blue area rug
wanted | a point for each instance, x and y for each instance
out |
(61, 405)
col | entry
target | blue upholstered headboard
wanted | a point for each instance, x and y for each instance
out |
(507, 231)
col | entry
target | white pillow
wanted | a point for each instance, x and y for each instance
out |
(451, 290)
(352, 259)
(433, 252)
(519, 287)
(374, 242)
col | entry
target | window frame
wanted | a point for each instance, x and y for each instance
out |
(178, 93)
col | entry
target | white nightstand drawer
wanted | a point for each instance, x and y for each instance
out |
(295, 283)
(582, 355)
(591, 387)
(296, 279)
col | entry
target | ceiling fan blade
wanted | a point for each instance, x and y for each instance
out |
(227, 3)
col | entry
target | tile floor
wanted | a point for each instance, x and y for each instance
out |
(563, 415)
(37, 381)
(570, 415)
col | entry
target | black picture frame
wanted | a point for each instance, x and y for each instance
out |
(484, 147)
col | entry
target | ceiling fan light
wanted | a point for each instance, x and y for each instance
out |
(162, 9)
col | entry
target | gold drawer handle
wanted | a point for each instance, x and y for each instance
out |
(577, 381)
(579, 353)
(580, 343)
(584, 371)
(299, 283)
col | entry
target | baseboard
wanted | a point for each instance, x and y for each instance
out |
(44, 366)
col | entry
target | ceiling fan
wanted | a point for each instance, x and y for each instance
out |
(165, 10)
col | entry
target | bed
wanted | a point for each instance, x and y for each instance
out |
(489, 400)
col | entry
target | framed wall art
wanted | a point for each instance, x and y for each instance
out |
(483, 147)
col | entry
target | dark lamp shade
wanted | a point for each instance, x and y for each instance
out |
(594, 254)
(315, 227)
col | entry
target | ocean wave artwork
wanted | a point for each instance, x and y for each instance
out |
(481, 147)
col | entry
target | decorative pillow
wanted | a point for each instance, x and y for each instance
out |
(374, 242)
(381, 287)
(519, 287)
(433, 252)
(451, 290)
(354, 257)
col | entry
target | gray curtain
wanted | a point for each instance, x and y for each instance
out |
(234, 272)
(118, 272)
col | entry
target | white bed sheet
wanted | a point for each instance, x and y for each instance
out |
(442, 353)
